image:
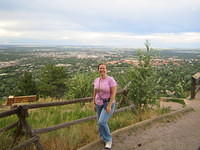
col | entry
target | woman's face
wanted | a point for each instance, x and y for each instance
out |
(102, 70)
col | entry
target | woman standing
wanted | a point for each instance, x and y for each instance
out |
(105, 88)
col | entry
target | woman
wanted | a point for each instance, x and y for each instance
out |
(105, 88)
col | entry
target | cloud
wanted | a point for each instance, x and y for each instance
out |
(105, 38)
(109, 22)
(6, 33)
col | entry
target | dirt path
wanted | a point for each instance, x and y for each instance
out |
(180, 134)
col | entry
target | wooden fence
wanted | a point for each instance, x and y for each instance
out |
(195, 84)
(33, 134)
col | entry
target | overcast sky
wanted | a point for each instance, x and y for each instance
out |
(127, 23)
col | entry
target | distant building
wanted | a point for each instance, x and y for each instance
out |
(154, 62)
(63, 65)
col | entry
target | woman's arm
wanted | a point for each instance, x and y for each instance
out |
(93, 96)
(93, 99)
(113, 94)
(113, 91)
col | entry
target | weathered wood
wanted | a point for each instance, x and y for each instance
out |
(124, 93)
(8, 113)
(196, 76)
(67, 124)
(193, 87)
(17, 134)
(123, 99)
(63, 125)
(20, 99)
(121, 91)
(26, 143)
(22, 114)
(66, 102)
(195, 81)
(20, 126)
(38, 144)
(31, 106)
(197, 89)
(9, 127)
(125, 108)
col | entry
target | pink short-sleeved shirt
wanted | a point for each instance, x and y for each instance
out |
(102, 86)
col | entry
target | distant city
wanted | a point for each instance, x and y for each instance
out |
(14, 60)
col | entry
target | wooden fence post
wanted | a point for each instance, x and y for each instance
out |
(123, 99)
(193, 87)
(22, 114)
(17, 134)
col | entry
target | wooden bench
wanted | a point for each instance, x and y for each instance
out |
(21, 99)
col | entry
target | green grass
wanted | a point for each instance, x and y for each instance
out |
(40, 118)
(77, 135)
(2, 101)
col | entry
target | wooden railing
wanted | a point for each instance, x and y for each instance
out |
(195, 84)
(32, 134)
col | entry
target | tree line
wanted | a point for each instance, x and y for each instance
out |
(148, 82)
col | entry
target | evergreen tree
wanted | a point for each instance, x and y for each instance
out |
(142, 90)
(26, 85)
(52, 81)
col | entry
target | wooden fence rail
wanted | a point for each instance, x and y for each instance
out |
(66, 102)
(195, 84)
(8, 113)
(26, 143)
(22, 124)
(67, 124)
(9, 127)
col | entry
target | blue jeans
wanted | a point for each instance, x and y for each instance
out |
(102, 118)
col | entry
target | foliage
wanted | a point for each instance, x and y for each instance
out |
(80, 85)
(142, 90)
(120, 75)
(8, 82)
(52, 81)
(174, 80)
(26, 85)
(31, 59)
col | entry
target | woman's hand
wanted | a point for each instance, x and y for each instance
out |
(94, 107)
(108, 108)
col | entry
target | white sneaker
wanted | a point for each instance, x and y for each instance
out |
(108, 145)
